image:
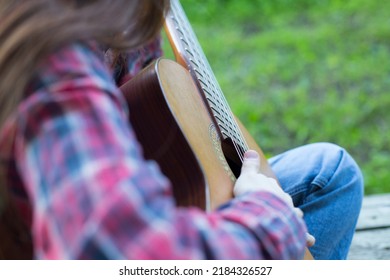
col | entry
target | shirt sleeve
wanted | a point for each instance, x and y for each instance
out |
(95, 197)
(126, 65)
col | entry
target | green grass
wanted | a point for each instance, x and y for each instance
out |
(303, 71)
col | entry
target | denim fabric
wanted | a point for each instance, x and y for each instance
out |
(327, 184)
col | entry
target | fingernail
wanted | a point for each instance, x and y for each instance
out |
(310, 239)
(251, 154)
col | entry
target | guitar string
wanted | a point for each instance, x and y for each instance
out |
(231, 130)
(199, 75)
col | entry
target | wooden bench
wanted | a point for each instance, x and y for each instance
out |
(372, 237)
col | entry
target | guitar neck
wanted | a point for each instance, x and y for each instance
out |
(189, 54)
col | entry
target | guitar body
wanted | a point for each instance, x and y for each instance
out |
(175, 129)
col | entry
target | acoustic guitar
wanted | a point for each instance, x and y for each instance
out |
(190, 129)
(234, 139)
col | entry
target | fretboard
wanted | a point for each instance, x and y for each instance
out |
(186, 45)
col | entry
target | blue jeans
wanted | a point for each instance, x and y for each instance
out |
(326, 183)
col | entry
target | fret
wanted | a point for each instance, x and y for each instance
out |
(211, 101)
(184, 41)
(203, 82)
(179, 30)
(189, 52)
(194, 63)
(174, 19)
(199, 73)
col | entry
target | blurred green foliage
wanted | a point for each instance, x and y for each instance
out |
(303, 71)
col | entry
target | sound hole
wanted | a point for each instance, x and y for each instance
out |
(232, 156)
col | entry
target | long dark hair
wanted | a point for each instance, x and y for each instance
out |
(29, 30)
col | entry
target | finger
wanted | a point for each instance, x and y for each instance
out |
(251, 163)
(310, 240)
